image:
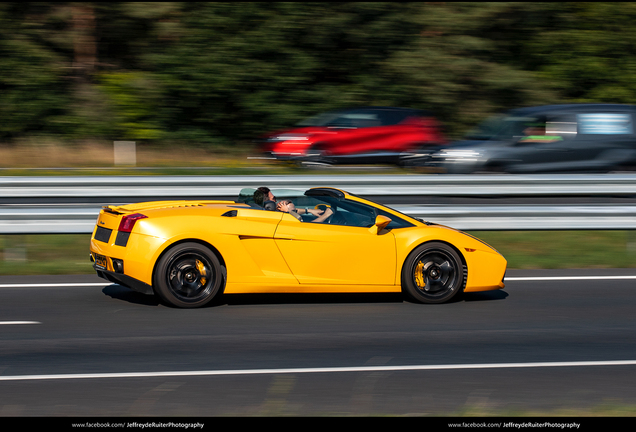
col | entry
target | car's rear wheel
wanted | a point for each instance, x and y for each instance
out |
(433, 273)
(416, 156)
(189, 275)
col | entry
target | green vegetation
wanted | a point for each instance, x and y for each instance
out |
(68, 253)
(218, 74)
(564, 249)
(28, 254)
(607, 409)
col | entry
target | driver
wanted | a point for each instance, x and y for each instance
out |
(537, 133)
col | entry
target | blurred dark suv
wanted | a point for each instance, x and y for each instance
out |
(354, 136)
(545, 139)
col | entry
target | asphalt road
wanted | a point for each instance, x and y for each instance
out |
(102, 350)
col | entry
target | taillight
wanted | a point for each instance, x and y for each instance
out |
(128, 222)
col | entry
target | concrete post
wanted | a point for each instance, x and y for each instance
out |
(125, 153)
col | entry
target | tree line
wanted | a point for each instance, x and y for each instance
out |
(208, 73)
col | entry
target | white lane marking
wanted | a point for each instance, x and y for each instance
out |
(317, 370)
(557, 278)
(18, 322)
(54, 285)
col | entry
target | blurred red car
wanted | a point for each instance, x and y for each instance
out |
(355, 136)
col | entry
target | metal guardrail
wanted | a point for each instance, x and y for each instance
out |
(71, 204)
(407, 184)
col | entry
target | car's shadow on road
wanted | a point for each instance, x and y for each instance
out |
(119, 292)
(313, 298)
(124, 294)
(484, 296)
(309, 298)
(245, 299)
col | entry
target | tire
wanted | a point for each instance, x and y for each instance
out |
(408, 159)
(433, 273)
(188, 275)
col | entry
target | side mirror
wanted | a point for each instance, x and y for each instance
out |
(380, 223)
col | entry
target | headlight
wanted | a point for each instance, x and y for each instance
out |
(289, 138)
(458, 155)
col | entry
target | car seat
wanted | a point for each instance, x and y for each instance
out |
(269, 205)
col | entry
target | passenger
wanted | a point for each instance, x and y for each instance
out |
(262, 195)
(287, 206)
(266, 199)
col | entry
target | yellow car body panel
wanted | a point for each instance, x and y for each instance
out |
(336, 255)
(269, 251)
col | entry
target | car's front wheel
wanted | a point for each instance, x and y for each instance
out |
(433, 273)
(189, 275)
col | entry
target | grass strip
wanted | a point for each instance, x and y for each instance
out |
(41, 254)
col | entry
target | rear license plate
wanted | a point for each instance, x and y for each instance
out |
(100, 261)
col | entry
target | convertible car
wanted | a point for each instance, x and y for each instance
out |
(188, 252)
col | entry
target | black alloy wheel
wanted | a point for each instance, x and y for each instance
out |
(433, 273)
(187, 276)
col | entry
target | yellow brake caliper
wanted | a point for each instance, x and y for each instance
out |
(202, 272)
(419, 275)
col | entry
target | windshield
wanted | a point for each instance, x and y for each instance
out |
(359, 118)
(320, 119)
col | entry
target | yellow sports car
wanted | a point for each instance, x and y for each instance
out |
(324, 240)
